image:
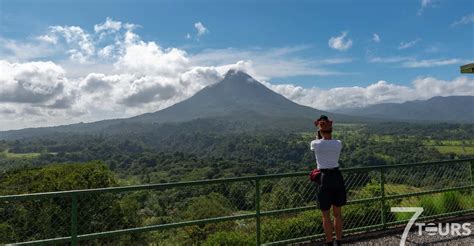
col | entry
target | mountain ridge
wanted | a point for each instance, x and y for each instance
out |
(435, 109)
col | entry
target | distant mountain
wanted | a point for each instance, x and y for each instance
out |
(237, 99)
(237, 96)
(458, 109)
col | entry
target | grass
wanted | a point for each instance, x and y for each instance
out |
(9, 155)
(385, 157)
(460, 147)
(460, 150)
(449, 142)
(394, 189)
(382, 138)
(439, 203)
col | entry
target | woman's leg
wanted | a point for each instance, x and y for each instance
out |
(337, 222)
(327, 224)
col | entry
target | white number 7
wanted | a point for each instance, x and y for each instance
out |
(416, 210)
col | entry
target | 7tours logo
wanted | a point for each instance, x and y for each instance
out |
(442, 229)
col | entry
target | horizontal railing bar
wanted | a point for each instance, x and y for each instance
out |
(293, 240)
(415, 164)
(424, 218)
(202, 182)
(45, 241)
(311, 237)
(366, 228)
(287, 210)
(429, 192)
(164, 226)
(305, 208)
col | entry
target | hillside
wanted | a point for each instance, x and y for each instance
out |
(458, 109)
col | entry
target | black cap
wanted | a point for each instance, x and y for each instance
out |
(323, 117)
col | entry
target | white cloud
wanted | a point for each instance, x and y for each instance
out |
(424, 4)
(380, 92)
(340, 42)
(82, 47)
(390, 59)
(188, 36)
(149, 58)
(35, 93)
(48, 39)
(431, 63)
(376, 38)
(107, 51)
(109, 24)
(200, 28)
(24, 51)
(32, 82)
(130, 26)
(412, 62)
(405, 45)
(464, 20)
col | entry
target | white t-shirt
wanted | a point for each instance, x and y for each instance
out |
(327, 152)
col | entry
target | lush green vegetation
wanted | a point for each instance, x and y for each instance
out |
(60, 162)
(50, 218)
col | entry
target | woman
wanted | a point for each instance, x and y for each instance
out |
(331, 188)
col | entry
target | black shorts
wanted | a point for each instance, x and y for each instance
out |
(332, 190)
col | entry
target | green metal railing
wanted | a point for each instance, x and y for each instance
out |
(448, 176)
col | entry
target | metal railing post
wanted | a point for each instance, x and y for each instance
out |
(257, 209)
(382, 195)
(471, 169)
(471, 174)
(74, 220)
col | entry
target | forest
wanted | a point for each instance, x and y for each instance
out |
(58, 162)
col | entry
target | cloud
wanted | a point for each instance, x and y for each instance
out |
(109, 24)
(424, 4)
(14, 50)
(405, 45)
(340, 42)
(412, 62)
(201, 29)
(390, 59)
(149, 89)
(431, 63)
(148, 58)
(376, 38)
(464, 20)
(380, 92)
(48, 39)
(82, 47)
(97, 82)
(32, 82)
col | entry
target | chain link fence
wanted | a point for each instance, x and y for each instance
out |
(265, 209)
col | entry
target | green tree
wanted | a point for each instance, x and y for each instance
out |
(50, 218)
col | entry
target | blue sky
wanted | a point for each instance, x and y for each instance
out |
(299, 48)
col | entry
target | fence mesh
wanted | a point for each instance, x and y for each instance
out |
(45, 218)
(35, 219)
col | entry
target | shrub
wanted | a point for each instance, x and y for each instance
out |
(304, 224)
(451, 202)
